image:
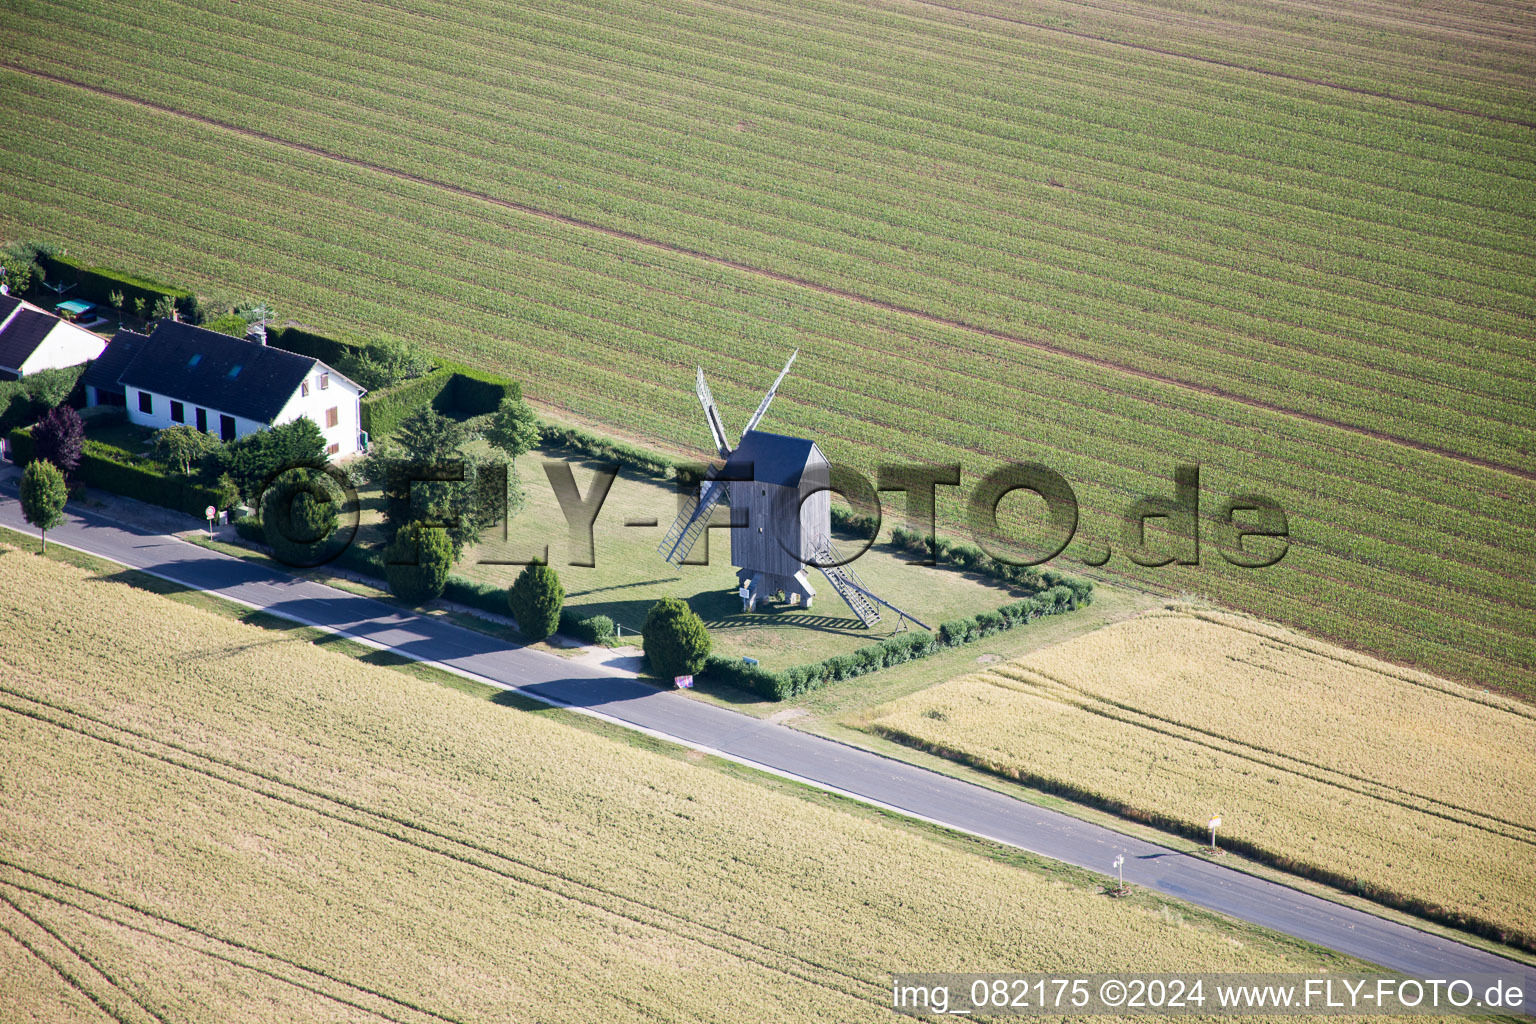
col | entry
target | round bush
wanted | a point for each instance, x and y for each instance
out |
(535, 600)
(416, 563)
(299, 517)
(597, 629)
(675, 640)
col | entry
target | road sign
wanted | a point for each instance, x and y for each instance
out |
(210, 512)
(1215, 823)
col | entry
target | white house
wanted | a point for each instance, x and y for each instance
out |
(229, 387)
(33, 339)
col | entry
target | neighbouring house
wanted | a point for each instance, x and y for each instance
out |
(100, 379)
(228, 387)
(33, 339)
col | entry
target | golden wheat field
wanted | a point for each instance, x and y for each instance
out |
(1419, 791)
(203, 820)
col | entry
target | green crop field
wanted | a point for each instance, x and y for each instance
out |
(1293, 246)
(204, 820)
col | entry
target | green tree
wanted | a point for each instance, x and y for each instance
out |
(232, 324)
(19, 263)
(417, 562)
(299, 514)
(535, 600)
(138, 307)
(43, 495)
(182, 446)
(257, 458)
(164, 308)
(427, 446)
(115, 299)
(514, 427)
(428, 436)
(675, 640)
(384, 364)
(226, 491)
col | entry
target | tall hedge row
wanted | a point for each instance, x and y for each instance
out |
(307, 343)
(595, 446)
(96, 284)
(384, 411)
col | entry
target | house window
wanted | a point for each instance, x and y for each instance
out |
(325, 381)
(202, 420)
(303, 389)
(333, 449)
(226, 428)
(178, 413)
(332, 417)
(146, 402)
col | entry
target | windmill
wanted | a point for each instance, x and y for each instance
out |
(778, 488)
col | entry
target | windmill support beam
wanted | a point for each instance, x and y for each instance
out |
(880, 600)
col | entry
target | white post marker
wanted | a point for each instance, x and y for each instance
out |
(683, 682)
(1213, 823)
(211, 513)
(1120, 866)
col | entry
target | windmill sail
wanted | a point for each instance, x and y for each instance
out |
(691, 522)
(762, 408)
(712, 415)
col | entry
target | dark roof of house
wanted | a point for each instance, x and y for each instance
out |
(7, 303)
(21, 336)
(215, 371)
(773, 458)
(106, 368)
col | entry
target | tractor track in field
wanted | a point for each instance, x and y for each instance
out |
(39, 878)
(1231, 65)
(747, 268)
(596, 899)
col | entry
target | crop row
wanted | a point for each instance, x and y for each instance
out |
(1466, 56)
(1506, 450)
(352, 72)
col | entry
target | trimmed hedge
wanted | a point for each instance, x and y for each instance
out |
(451, 389)
(316, 346)
(893, 650)
(384, 411)
(474, 393)
(144, 483)
(96, 284)
(855, 524)
(970, 558)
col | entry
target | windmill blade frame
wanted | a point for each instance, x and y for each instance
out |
(762, 408)
(692, 521)
(712, 414)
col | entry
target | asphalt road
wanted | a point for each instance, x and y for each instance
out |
(831, 765)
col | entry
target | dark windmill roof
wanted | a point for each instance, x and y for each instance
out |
(106, 368)
(213, 370)
(773, 458)
(22, 334)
